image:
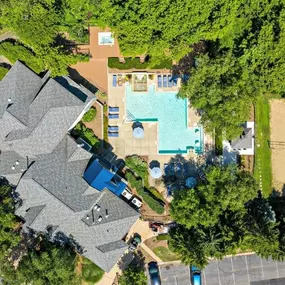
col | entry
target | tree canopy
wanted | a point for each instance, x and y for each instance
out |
(134, 275)
(46, 265)
(224, 215)
(9, 236)
(227, 190)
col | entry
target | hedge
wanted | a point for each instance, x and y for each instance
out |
(149, 199)
(113, 62)
(138, 166)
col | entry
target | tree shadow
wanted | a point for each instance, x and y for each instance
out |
(76, 77)
(189, 61)
(64, 45)
(177, 170)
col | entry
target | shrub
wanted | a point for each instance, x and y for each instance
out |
(89, 115)
(86, 134)
(139, 166)
(113, 62)
(3, 72)
(91, 272)
(15, 51)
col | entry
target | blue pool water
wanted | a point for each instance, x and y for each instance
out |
(171, 114)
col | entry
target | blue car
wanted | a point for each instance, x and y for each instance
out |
(154, 273)
(195, 275)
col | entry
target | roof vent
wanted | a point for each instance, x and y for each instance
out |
(17, 162)
(100, 219)
(107, 214)
(13, 167)
(87, 217)
(80, 145)
(95, 207)
(98, 208)
(9, 99)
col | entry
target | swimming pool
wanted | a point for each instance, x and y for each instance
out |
(171, 113)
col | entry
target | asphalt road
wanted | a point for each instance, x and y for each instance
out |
(238, 270)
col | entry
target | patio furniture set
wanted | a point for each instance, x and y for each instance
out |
(166, 81)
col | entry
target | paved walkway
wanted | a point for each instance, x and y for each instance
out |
(150, 252)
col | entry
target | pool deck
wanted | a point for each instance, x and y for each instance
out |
(126, 144)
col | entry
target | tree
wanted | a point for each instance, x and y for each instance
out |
(226, 189)
(48, 265)
(223, 91)
(134, 275)
(9, 236)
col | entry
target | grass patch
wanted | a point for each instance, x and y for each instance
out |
(3, 72)
(262, 164)
(165, 254)
(163, 237)
(113, 62)
(91, 273)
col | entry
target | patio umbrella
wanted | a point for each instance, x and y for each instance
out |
(155, 172)
(138, 133)
(191, 182)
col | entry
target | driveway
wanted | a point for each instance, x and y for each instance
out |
(237, 270)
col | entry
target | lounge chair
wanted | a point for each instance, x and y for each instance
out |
(114, 83)
(114, 109)
(165, 81)
(159, 81)
(112, 134)
(113, 128)
(169, 81)
(113, 116)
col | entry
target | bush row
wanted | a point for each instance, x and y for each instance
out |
(149, 199)
(113, 62)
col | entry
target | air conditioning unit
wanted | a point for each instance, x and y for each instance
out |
(137, 202)
(127, 194)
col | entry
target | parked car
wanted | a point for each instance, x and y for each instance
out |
(134, 242)
(155, 226)
(154, 273)
(196, 278)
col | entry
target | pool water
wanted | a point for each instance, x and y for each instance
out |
(171, 113)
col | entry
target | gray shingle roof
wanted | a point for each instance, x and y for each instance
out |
(47, 166)
(21, 85)
(244, 141)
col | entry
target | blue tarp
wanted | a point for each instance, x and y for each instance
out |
(99, 177)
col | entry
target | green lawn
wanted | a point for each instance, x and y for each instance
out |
(262, 164)
(165, 254)
(91, 273)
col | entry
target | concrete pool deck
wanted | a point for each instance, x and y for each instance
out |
(125, 144)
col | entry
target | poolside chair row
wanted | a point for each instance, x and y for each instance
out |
(113, 112)
(113, 131)
(166, 81)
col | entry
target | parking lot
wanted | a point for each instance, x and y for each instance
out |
(237, 270)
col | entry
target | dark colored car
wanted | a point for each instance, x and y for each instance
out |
(134, 242)
(195, 275)
(154, 273)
